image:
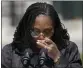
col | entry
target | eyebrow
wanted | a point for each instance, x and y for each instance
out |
(44, 29)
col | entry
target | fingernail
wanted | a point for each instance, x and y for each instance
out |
(37, 42)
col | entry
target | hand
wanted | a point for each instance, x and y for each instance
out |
(48, 44)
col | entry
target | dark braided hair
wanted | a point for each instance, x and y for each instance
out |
(22, 37)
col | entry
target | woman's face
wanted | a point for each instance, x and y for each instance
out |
(42, 27)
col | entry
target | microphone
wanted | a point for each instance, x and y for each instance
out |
(27, 58)
(44, 60)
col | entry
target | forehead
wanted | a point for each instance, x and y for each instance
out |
(43, 21)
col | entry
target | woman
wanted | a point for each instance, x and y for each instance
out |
(40, 30)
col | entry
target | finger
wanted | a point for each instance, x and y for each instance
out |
(41, 44)
(44, 46)
(50, 48)
(49, 41)
(42, 41)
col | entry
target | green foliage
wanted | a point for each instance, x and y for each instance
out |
(81, 56)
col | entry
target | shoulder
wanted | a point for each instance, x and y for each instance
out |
(7, 47)
(7, 50)
(72, 48)
(71, 45)
(6, 56)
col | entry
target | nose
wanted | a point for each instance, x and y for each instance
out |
(41, 36)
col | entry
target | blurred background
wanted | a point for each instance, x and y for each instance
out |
(70, 13)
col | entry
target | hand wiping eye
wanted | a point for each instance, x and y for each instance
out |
(51, 47)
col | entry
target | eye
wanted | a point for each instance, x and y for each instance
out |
(37, 31)
(48, 32)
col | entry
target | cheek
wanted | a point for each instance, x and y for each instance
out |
(35, 38)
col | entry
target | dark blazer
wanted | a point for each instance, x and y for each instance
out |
(70, 57)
